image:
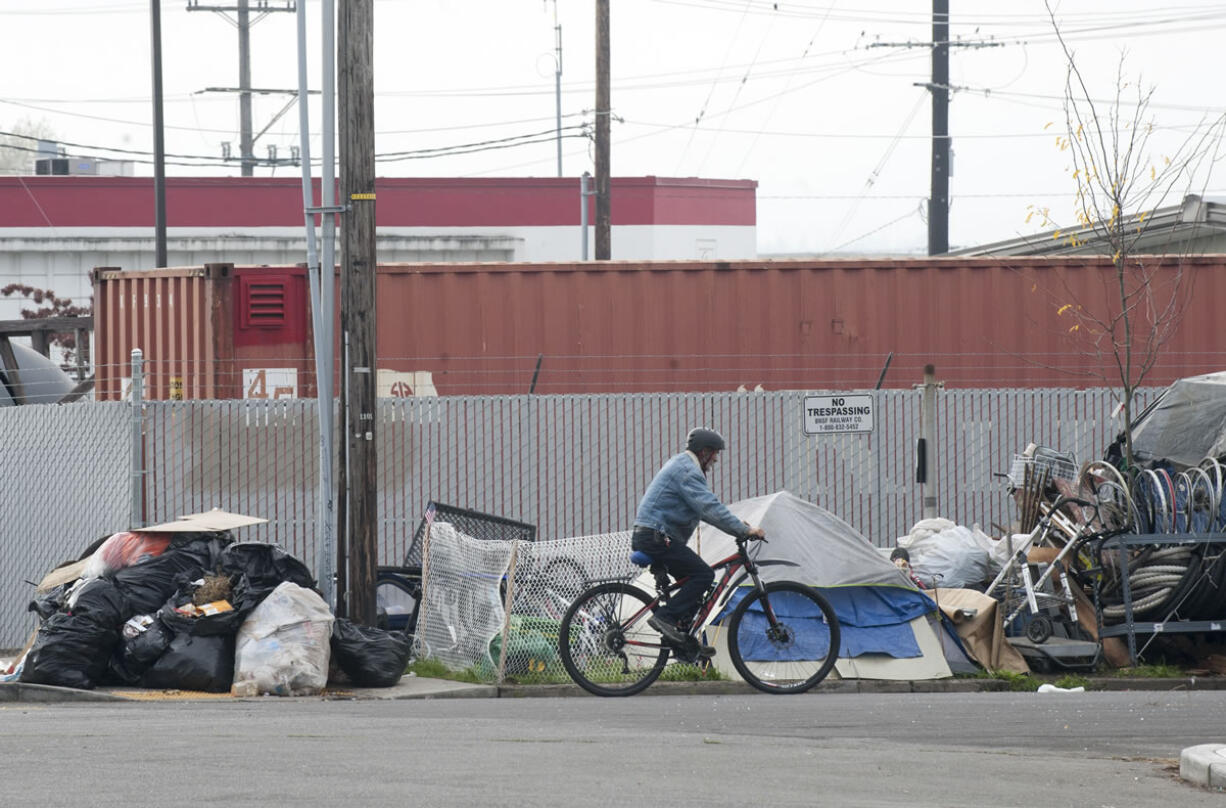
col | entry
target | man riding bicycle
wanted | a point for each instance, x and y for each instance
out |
(671, 508)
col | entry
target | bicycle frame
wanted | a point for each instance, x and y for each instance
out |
(719, 595)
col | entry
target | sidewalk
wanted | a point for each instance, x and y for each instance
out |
(415, 687)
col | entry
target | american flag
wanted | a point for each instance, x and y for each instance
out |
(429, 515)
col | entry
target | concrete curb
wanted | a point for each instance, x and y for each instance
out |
(414, 687)
(49, 694)
(1204, 765)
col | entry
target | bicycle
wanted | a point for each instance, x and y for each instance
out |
(546, 590)
(782, 637)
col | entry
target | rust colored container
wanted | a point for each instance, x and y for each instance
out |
(630, 327)
(205, 332)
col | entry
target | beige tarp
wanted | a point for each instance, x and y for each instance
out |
(982, 634)
(215, 520)
(212, 521)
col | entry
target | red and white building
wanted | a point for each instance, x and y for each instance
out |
(55, 229)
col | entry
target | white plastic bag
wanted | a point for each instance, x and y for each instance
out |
(949, 555)
(283, 646)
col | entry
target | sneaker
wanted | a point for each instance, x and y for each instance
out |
(668, 629)
(695, 653)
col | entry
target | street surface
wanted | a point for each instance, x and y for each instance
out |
(1091, 750)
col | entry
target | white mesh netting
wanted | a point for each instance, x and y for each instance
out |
(468, 584)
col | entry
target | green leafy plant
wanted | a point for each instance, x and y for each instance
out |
(691, 673)
(1071, 680)
(1019, 682)
(1159, 670)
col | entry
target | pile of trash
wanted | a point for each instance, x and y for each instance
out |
(1106, 561)
(184, 606)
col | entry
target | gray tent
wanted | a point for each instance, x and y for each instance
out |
(1186, 424)
(885, 620)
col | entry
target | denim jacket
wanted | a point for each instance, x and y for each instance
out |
(679, 497)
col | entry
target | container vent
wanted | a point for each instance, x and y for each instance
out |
(264, 302)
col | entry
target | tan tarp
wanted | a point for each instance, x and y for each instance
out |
(61, 575)
(982, 634)
(213, 521)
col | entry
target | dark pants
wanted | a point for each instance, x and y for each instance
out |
(681, 562)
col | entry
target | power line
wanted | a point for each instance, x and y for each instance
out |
(532, 138)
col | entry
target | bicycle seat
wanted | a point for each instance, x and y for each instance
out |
(640, 559)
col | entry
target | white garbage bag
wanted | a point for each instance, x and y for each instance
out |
(283, 646)
(945, 554)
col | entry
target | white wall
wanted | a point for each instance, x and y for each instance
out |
(61, 260)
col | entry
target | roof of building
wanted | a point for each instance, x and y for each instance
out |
(1165, 230)
(97, 201)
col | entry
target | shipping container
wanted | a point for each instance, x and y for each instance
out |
(498, 329)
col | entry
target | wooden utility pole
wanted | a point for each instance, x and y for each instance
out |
(159, 147)
(242, 10)
(358, 512)
(938, 200)
(604, 240)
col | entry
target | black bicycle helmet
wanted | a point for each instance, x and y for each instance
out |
(700, 438)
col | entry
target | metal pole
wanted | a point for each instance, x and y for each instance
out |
(323, 567)
(928, 431)
(327, 283)
(138, 444)
(159, 143)
(557, 77)
(877, 459)
(584, 193)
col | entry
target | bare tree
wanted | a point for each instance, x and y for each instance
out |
(50, 306)
(19, 147)
(1120, 182)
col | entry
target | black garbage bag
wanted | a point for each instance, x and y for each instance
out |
(102, 602)
(205, 625)
(69, 651)
(135, 654)
(194, 663)
(370, 657)
(48, 603)
(149, 584)
(72, 648)
(260, 568)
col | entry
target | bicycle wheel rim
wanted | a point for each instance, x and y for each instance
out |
(1202, 501)
(605, 643)
(793, 655)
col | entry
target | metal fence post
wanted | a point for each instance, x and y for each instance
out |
(506, 612)
(138, 471)
(927, 471)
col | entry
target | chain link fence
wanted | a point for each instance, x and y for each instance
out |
(570, 465)
(65, 481)
(495, 608)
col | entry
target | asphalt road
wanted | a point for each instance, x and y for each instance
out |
(1103, 749)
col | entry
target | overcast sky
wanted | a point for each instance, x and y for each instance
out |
(816, 100)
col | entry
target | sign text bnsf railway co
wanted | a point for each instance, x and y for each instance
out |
(826, 415)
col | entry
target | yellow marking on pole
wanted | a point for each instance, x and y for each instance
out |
(361, 196)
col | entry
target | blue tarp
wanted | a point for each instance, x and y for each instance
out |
(872, 619)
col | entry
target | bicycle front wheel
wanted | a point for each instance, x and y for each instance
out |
(605, 642)
(793, 652)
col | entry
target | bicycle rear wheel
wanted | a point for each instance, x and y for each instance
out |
(796, 653)
(605, 642)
